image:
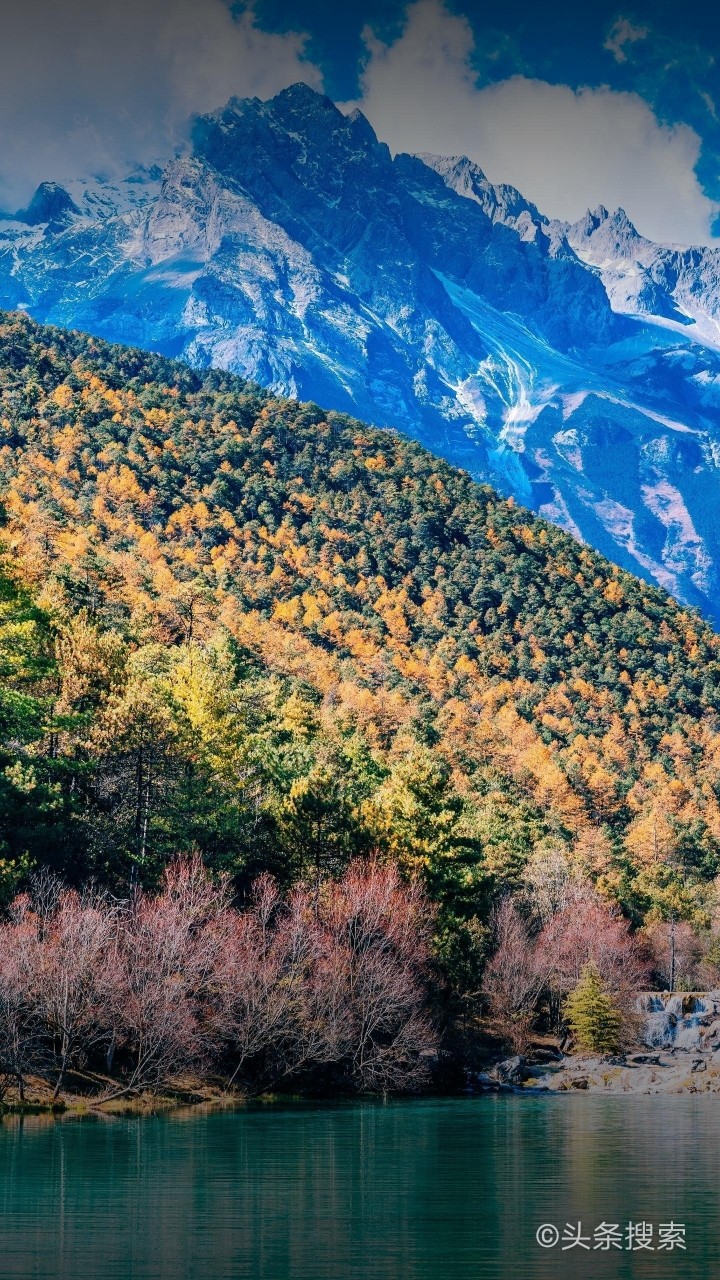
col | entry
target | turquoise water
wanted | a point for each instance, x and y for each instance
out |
(425, 1190)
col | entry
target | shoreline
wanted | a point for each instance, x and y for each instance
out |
(641, 1073)
(174, 1096)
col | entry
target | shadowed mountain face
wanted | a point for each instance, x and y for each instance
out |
(575, 367)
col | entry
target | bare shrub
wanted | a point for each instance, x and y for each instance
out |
(676, 954)
(75, 951)
(513, 980)
(376, 954)
(552, 882)
(590, 931)
(168, 955)
(332, 980)
(20, 1025)
(263, 982)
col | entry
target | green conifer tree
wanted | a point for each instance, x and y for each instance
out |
(592, 1015)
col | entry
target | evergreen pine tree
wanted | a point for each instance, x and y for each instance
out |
(592, 1015)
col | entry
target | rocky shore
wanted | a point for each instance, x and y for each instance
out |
(671, 1071)
(648, 1071)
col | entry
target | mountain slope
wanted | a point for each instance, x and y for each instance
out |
(236, 622)
(290, 247)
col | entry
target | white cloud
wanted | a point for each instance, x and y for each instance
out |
(622, 33)
(566, 151)
(87, 86)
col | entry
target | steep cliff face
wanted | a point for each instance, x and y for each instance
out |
(576, 367)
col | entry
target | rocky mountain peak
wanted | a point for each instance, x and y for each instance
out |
(612, 230)
(620, 219)
(501, 202)
(361, 127)
(310, 116)
(299, 132)
(459, 168)
(51, 205)
(302, 97)
(589, 223)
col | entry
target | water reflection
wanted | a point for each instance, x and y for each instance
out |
(397, 1191)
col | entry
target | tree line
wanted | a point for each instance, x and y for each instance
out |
(333, 986)
(111, 998)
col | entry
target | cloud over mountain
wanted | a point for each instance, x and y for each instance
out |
(87, 87)
(564, 149)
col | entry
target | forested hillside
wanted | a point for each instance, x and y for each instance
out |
(235, 624)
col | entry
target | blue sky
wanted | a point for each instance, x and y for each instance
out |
(671, 58)
(576, 104)
(560, 42)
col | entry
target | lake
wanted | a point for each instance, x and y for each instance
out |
(448, 1189)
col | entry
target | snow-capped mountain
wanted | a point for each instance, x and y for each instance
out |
(575, 367)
